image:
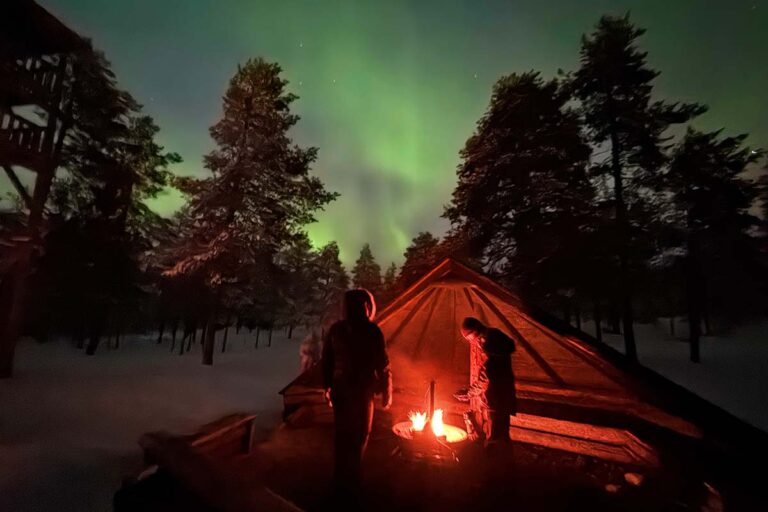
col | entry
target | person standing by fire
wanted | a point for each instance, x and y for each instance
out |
(495, 382)
(355, 367)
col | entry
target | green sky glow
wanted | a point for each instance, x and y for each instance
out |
(390, 90)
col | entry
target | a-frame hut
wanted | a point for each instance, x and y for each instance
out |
(558, 375)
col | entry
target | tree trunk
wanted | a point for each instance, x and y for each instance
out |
(290, 331)
(183, 340)
(269, 340)
(97, 328)
(192, 336)
(161, 331)
(209, 339)
(224, 342)
(577, 315)
(598, 321)
(614, 319)
(258, 332)
(117, 337)
(625, 280)
(238, 325)
(173, 333)
(693, 292)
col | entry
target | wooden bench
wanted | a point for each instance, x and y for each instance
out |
(205, 464)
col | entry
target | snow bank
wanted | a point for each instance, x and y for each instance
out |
(69, 422)
(733, 373)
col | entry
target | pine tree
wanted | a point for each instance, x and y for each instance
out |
(615, 86)
(720, 256)
(522, 191)
(366, 272)
(91, 274)
(389, 287)
(260, 192)
(332, 280)
(297, 262)
(420, 257)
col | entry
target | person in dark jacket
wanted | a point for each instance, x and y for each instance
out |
(355, 367)
(495, 383)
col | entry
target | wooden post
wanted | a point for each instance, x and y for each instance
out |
(251, 437)
(431, 400)
(12, 317)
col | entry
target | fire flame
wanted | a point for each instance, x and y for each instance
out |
(437, 423)
(418, 420)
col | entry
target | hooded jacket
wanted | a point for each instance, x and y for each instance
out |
(495, 383)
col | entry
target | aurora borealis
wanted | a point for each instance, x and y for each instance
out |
(390, 90)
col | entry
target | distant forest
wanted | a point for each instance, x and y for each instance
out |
(585, 193)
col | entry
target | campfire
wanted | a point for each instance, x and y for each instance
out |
(426, 436)
(418, 422)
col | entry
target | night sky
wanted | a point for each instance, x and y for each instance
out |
(390, 90)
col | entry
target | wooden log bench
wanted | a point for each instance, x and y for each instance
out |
(205, 465)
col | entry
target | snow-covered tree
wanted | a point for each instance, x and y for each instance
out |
(260, 192)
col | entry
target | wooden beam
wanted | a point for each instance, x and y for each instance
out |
(521, 340)
(410, 315)
(20, 188)
(424, 331)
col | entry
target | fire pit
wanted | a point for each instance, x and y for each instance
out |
(426, 436)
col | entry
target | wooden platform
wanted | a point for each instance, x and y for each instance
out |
(219, 468)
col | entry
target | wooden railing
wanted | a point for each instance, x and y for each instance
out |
(17, 133)
(35, 77)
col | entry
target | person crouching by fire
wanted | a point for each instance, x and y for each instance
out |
(495, 383)
(355, 367)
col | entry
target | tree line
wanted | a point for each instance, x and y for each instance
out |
(235, 255)
(593, 198)
(585, 193)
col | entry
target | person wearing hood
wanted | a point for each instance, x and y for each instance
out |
(495, 382)
(355, 367)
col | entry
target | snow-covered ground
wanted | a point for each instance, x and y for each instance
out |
(733, 373)
(69, 423)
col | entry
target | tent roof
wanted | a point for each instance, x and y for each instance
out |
(422, 326)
